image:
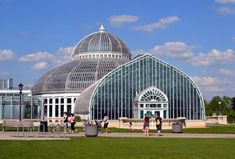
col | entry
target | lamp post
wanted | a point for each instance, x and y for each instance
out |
(219, 108)
(20, 88)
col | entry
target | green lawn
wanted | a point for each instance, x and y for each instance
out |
(213, 129)
(119, 148)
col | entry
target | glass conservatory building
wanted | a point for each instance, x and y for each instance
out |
(10, 104)
(93, 57)
(102, 78)
(145, 84)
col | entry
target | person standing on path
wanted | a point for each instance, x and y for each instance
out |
(106, 122)
(158, 125)
(146, 126)
(73, 122)
(130, 127)
(66, 121)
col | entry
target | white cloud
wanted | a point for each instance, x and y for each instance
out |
(40, 66)
(63, 54)
(226, 10)
(226, 1)
(173, 49)
(214, 57)
(161, 24)
(44, 59)
(119, 20)
(138, 51)
(226, 72)
(213, 85)
(42, 55)
(210, 81)
(214, 90)
(180, 50)
(66, 52)
(6, 54)
(220, 72)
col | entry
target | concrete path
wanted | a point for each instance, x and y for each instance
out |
(62, 136)
(169, 135)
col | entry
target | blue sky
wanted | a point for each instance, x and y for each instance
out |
(198, 37)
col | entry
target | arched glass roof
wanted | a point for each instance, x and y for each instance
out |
(75, 76)
(116, 92)
(101, 42)
(94, 56)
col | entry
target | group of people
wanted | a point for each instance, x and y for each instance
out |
(158, 121)
(69, 119)
(85, 122)
(72, 121)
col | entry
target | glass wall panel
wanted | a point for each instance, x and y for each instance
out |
(115, 94)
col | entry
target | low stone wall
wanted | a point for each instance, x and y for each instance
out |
(217, 119)
(195, 124)
(167, 123)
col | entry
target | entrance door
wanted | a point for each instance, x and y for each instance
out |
(154, 112)
(157, 113)
(151, 99)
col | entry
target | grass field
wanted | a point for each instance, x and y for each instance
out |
(119, 148)
(126, 148)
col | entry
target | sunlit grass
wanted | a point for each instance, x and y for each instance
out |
(119, 148)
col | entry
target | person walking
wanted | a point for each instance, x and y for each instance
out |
(130, 127)
(146, 126)
(158, 125)
(106, 122)
(73, 122)
(66, 121)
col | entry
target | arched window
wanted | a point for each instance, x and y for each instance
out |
(151, 100)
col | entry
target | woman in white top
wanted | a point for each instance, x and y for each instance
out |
(106, 122)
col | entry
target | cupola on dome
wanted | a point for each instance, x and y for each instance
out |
(101, 44)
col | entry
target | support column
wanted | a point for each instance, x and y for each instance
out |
(53, 107)
(42, 108)
(59, 107)
(1, 107)
(48, 107)
(72, 104)
(65, 104)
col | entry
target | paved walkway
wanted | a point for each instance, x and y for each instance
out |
(49, 136)
(169, 135)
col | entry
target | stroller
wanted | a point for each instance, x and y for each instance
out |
(98, 124)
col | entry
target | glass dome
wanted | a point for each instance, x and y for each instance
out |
(101, 43)
(95, 56)
(75, 76)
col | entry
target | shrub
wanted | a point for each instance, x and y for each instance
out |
(78, 118)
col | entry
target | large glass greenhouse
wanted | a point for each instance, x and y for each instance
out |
(102, 78)
(145, 84)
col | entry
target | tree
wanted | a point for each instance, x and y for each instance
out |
(218, 105)
(232, 103)
(208, 109)
(223, 106)
(227, 100)
(215, 105)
